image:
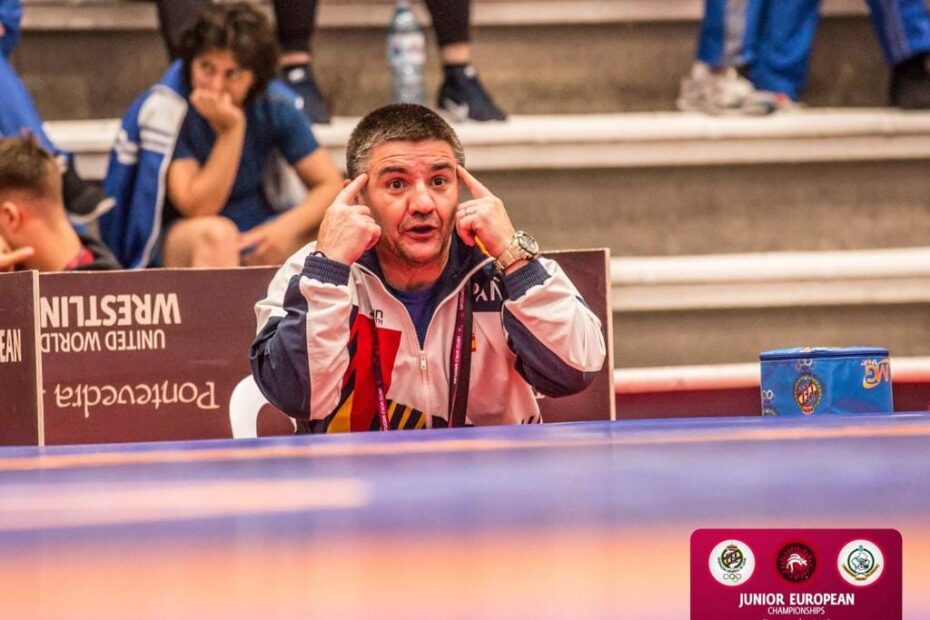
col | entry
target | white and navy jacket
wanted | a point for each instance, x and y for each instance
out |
(312, 357)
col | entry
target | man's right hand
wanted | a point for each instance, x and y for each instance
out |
(347, 229)
(218, 109)
(10, 258)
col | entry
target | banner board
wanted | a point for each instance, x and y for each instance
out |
(20, 363)
(145, 355)
(590, 273)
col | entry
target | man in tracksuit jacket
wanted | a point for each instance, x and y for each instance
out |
(413, 310)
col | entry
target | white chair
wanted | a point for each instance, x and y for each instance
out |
(245, 402)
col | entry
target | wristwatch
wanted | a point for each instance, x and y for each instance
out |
(521, 246)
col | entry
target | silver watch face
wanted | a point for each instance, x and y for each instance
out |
(526, 243)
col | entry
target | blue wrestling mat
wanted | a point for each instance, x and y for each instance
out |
(561, 520)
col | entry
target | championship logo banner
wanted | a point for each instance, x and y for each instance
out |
(20, 363)
(801, 574)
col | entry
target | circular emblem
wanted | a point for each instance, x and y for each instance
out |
(861, 562)
(732, 562)
(807, 393)
(796, 562)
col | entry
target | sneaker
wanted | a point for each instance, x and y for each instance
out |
(83, 202)
(309, 98)
(725, 92)
(462, 97)
(910, 83)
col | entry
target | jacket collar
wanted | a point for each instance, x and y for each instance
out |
(462, 261)
(176, 79)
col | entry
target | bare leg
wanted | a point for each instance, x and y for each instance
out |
(202, 242)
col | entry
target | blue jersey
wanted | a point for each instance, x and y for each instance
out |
(271, 123)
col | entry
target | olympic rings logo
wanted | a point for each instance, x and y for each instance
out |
(768, 395)
(808, 363)
(734, 577)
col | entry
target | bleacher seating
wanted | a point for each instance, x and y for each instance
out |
(537, 56)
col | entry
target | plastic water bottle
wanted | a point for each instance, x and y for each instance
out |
(406, 55)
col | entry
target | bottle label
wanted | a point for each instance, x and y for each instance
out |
(407, 48)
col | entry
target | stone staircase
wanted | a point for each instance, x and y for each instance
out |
(679, 184)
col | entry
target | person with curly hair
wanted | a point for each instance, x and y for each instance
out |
(220, 122)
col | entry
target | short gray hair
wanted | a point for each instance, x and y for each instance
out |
(398, 122)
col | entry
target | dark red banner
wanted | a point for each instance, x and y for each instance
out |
(145, 355)
(801, 574)
(589, 272)
(19, 361)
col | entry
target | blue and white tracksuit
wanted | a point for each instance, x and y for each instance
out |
(312, 357)
(773, 38)
(138, 169)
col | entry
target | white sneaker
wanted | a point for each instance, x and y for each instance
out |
(724, 92)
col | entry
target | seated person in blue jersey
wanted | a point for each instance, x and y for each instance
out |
(217, 208)
(416, 310)
(222, 124)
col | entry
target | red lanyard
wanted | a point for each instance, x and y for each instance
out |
(84, 257)
(459, 365)
(460, 359)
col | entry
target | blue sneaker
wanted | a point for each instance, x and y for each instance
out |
(309, 98)
(462, 97)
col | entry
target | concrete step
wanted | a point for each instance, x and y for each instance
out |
(89, 58)
(725, 309)
(678, 184)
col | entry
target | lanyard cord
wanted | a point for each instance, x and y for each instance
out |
(460, 358)
(459, 365)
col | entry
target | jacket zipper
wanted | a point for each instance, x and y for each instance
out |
(410, 327)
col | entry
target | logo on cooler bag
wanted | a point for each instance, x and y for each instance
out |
(874, 372)
(807, 393)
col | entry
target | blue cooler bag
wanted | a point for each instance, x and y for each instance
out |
(806, 381)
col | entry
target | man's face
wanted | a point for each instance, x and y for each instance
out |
(219, 72)
(412, 191)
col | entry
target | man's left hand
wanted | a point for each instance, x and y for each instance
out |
(483, 218)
